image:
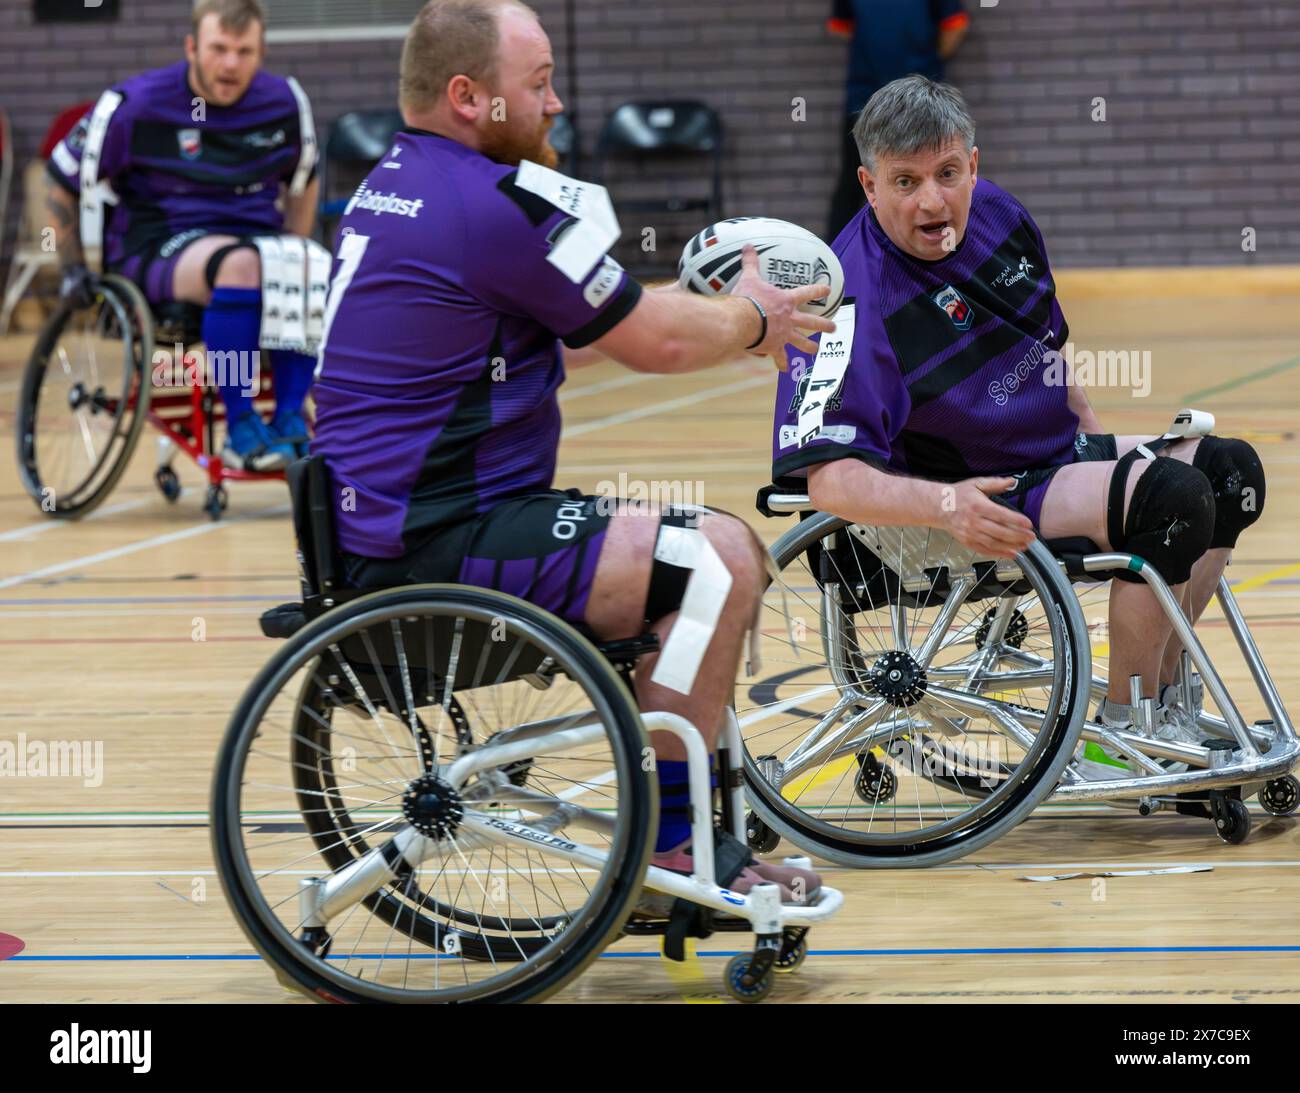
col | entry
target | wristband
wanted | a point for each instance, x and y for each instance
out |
(762, 315)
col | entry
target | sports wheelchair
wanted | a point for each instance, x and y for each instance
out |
(443, 781)
(934, 698)
(92, 382)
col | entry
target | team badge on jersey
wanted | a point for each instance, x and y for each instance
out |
(958, 310)
(191, 143)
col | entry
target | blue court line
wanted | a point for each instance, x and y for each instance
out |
(84, 600)
(1009, 951)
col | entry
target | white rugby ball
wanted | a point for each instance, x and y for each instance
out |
(788, 255)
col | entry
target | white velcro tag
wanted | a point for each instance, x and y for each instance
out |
(93, 193)
(697, 619)
(585, 243)
(1190, 423)
(271, 252)
(293, 283)
(827, 373)
(318, 283)
(1145, 452)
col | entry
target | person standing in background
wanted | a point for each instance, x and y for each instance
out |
(890, 39)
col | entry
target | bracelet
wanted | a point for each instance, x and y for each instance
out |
(762, 334)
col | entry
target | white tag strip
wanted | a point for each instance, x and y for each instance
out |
(293, 285)
(318, 283)
(584, 244)
(306, 137)
(827, 373)
(706, 592)
(271, 252)
(93, 193)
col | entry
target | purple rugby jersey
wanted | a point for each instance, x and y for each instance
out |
(436, 390)
(945, 377)
(173, 174)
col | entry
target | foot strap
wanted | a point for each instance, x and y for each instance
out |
(687, 919)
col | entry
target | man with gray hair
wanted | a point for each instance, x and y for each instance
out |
(949, 414)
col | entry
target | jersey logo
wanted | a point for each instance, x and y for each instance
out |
(834, 404)
(957, 309)
(191, 143)
(264, 140)
(1010, 276)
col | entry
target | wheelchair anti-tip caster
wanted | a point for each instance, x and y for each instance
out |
(749, 976)
(875, 784)
(1281, 796)
(1231, 819)
(761, 838)
(168, 483)
(215, 502)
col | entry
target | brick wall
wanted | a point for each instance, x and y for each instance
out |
(1201, 136)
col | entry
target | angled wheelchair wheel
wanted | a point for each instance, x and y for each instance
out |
(960, 684)
(84, 399)
(433, 794)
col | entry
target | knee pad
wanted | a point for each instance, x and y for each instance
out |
(1237, 476)
(220, 255)
(667, 581)
(1170, 520)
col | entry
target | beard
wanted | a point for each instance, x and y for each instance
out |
(511, 147)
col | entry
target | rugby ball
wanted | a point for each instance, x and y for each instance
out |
(788, 255)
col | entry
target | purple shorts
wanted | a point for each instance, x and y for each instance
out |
(542, 548)
(1031, 486)
(154, 268)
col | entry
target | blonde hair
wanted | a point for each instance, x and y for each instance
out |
(234, 15)
(450, 38)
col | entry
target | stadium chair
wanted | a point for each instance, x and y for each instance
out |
(357, 141)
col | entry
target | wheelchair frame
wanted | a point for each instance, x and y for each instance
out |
(185, 415)
(1252, 757)
(780, 929)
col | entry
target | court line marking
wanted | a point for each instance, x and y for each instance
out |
(625, 380)
(1249, 377)
(207, 871)
(138, 545)
(1266, 578)
(664, 407)
(1016, 950)
(46, 525)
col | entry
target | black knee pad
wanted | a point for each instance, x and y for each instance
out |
(667, 581)
(1237, 477)
(219, 255)
(1170, 520)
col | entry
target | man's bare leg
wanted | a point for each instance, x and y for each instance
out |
(239, 269)
(617, 604)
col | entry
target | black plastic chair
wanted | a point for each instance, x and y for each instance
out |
(663, 130)
(357, 141)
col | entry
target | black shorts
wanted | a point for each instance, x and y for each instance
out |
(1031, 486)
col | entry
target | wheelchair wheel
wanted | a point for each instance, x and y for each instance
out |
(960, 685)
(84, 399)
(371, 845)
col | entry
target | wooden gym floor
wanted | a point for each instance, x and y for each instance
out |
(111, 891)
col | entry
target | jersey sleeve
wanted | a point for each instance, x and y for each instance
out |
(1058, 321)
(64, 164)
(861, 418)
(510, 245)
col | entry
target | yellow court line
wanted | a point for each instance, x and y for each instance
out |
(1265, 578)
(689, 977)
(832, 770)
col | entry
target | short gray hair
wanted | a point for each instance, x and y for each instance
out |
(913, 114)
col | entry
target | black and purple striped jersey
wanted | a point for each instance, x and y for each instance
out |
(178, 163)
(945, 374)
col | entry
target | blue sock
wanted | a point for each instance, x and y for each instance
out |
(231, 324)
(293, 378)
(674, 804)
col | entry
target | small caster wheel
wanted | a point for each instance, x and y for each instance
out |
(761, 838)
(1281, 796)
(168, 483)
(875, 784)
(1233, 822)
(317, 940)
(741, 986)
(794, 950)
(216, 502)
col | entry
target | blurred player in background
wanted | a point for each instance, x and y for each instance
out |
(202, 155)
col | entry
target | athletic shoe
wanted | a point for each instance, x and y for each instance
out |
(251, 446)
(291, 428)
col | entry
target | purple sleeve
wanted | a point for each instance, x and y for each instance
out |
(862, 418)
(64, 164)
(508, 245)
(1058, 321)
